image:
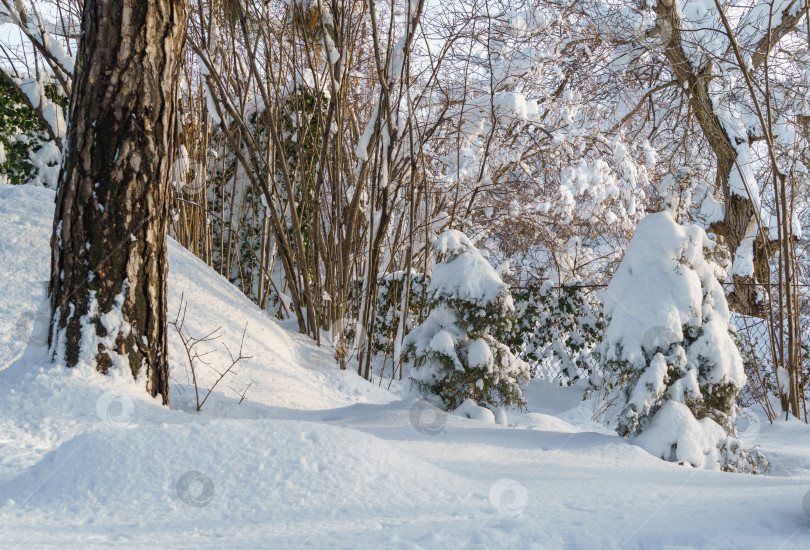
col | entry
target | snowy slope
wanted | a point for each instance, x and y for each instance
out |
(26, 215)
(286, 369)
(318, 458)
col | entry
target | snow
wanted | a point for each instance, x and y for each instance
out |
(361, 149)
(672, 295)
(51, 112)
(691, 436)
(469, 409)
(46, 161)
(764, 14)
(210, 103)
(741, 181)
(318, 458)
(255, 460)
(772, 223)
(26, 215)
(468, 276)
(443, 342)
(479, 354)
(55, 47)
(711, 210)
(514, 105)
(743, 264)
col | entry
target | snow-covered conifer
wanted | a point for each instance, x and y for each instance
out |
(670, 348)
(458, 352)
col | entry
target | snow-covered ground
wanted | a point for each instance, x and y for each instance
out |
(319, 458)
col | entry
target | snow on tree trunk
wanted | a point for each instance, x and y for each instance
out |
(108, 269)
(671, 349)
(458, 352)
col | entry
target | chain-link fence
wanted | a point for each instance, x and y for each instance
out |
(558, 330)
(763, 347)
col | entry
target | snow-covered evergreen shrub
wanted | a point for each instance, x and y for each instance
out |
(459, 351)
(556, 327)
(671, 349)
(27, 153)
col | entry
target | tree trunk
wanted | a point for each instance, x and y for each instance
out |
(109, 266)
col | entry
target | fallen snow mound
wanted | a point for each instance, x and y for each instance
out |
(306, 470)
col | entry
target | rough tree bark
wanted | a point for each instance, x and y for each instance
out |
(109, 267)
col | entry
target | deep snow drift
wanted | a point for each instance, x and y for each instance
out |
(319, 458)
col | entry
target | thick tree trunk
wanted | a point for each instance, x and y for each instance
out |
(109, 267)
